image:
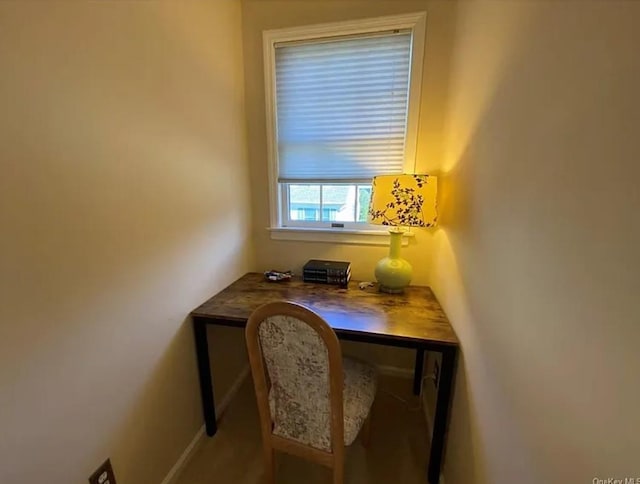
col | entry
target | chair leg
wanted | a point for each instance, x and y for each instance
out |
(365, 433)
(338, 471)
(338, 464)
(269, 465)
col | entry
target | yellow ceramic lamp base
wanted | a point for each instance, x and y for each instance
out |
(393, 273)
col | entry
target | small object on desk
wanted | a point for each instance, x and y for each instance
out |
(364, 285)
(327, 272)
(277, 276)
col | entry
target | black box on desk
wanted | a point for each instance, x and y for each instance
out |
(327, 272)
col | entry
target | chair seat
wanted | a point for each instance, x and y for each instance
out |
(360, 386)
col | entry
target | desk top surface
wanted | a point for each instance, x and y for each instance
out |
(414, 315)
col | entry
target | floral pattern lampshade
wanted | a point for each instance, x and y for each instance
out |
(404, 200)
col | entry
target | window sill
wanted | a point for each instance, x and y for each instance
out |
(336, 236)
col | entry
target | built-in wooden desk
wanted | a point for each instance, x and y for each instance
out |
(410, 320)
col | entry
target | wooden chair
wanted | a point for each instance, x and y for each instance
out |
(312, 403)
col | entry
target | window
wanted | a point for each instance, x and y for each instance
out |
(327, 203)
(342, 102)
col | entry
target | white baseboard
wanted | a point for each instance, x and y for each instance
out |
(184, 458)
(224, 402)
(395, 371)
(173, 474)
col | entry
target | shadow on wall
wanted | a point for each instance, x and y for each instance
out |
(465, 455)
(482, 416)
(176, 364)
(539, 235)
(130, 444)
(131, 175)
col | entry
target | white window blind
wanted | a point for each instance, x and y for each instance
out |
(341, 107)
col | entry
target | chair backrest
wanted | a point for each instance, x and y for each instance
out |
(296, 362)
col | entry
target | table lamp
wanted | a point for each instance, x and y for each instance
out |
(400, 201)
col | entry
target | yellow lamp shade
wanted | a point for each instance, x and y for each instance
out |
(404, 200)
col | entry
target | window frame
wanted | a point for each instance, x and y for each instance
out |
(416, 23)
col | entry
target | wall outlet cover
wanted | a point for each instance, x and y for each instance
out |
(104, 474)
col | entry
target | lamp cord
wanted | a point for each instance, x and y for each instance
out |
(406, 402)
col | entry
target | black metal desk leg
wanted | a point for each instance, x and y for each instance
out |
(443, 405)
(418, 372)
(204, 372)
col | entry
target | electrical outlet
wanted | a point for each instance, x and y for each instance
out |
(104, 474)
(436, 373)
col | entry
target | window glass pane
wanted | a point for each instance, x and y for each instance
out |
(326, 203)
(364, 196)
(304, 202)
(338, 203)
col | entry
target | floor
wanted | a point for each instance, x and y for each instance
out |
(397, 453)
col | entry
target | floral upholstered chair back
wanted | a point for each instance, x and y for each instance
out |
(297, 367)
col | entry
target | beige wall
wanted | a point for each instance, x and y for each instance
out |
(123, 205)
(259, 15)
(537, 259)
